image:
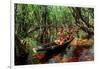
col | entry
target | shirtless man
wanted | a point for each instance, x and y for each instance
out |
(69, 35)
(60, 37)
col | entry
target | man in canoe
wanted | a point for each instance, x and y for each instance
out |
(61, 38)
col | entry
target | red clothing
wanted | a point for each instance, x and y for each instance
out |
(40, 56)
(69, 35)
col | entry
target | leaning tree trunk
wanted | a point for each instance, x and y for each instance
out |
(81, 22)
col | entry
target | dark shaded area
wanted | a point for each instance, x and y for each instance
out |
(21, 55)
(50, 52)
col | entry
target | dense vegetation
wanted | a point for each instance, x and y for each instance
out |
(39, 25)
